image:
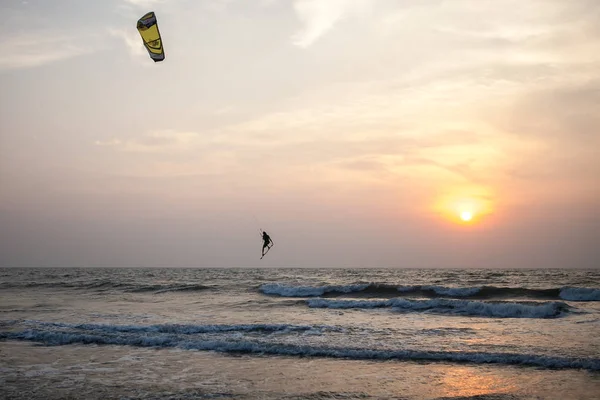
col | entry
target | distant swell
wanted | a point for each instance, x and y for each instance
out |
(457, 307)
(108, 285)
(126, 336)
(387, 290)
(169, 288)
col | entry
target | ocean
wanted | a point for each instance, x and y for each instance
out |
(240, 333)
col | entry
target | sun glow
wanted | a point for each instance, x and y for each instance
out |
(466, 206)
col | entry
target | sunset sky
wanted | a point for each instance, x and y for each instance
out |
(356, 132)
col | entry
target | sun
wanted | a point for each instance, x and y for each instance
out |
(466, 216)
(466, 206)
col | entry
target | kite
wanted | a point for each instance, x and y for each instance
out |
(148, 28)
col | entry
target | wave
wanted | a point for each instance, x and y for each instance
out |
(379, 290)
(170, 288)
(101, 335)
(457, 307)
(473, 292)
(580, 294)
(309, 291)
(108, 285)
(185, 329)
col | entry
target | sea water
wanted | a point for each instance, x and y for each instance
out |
(299, 333)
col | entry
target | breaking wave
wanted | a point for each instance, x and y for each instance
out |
(474, 292)
(457, 307)
(580, 294)
(310, 291)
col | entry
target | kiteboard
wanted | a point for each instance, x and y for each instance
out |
(268, 248)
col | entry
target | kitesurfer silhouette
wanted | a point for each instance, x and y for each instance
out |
(267, 243)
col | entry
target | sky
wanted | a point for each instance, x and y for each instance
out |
(358, 133)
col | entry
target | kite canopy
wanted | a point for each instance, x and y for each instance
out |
(148, 28)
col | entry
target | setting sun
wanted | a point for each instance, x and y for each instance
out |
(466, 216)
(467, 205)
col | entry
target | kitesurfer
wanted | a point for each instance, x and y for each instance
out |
(267, 243)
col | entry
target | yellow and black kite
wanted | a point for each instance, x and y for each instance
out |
(148, 28)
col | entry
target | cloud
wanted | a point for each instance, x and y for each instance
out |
(318, 17)
(144, 3)
(174, 153)
(108, 143)
(560, 124)
(136, 8)
(155, 142)
(131, 39)
(33, 50)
